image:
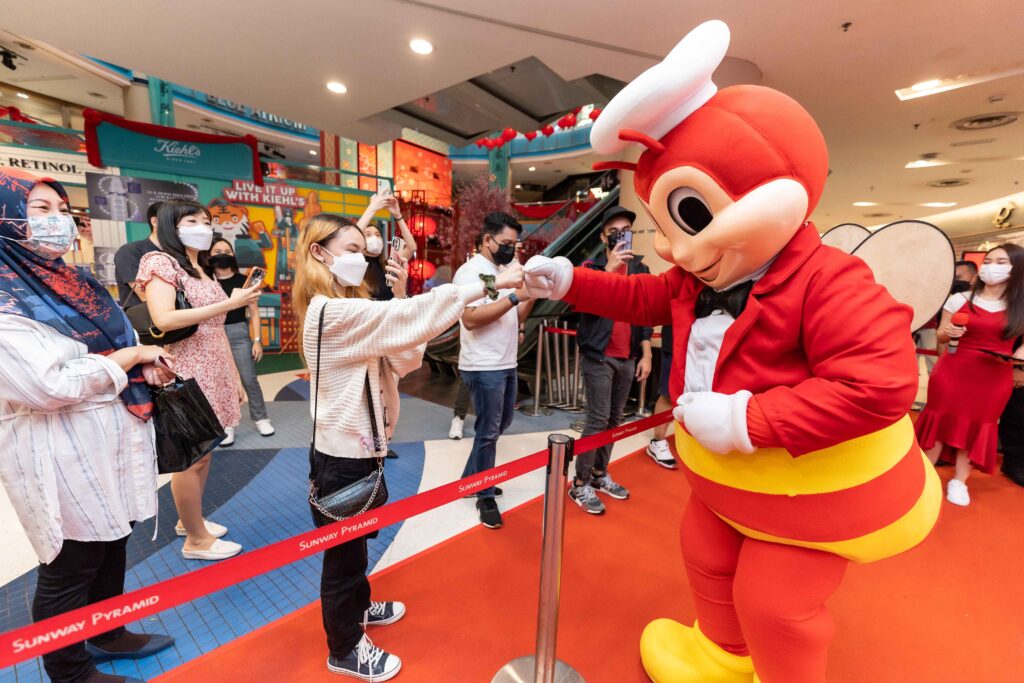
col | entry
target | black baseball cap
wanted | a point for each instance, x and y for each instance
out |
(615, 212)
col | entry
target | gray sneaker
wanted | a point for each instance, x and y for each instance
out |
(585, 497)
(605, 484)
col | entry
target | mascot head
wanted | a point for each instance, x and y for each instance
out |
(727, 176)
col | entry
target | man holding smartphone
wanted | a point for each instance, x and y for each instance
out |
(614, 354)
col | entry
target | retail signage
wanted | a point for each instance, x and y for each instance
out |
(258, 115)
(112, 140)
(126, 198)
(61, 166)
(271, 194)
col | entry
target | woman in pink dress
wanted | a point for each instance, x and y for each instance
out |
(184, 230)
(969, 387)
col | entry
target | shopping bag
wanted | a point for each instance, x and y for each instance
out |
(185, 424)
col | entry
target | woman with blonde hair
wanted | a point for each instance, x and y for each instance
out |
(356, 347)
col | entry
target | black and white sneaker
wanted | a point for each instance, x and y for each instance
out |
(384, 613)
(661, 453)
(367, 662)
(497, 492)
(490, 516)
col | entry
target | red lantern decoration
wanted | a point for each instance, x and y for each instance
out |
(509, 134)
(594, 113)
(481, 142)
(567, 121)
(488, 143)
(548, 130)
(420, 269)
(576, 111)
(423, 226)
(531, 135)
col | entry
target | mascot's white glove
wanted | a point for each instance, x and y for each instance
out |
(717, 421)
(548, 278)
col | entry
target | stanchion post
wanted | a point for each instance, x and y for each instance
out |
(545, 666)
(536, 410)
(641, 408)
(556, 345)
(565, 354)
(547, 363)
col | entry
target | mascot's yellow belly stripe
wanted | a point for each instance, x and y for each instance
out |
(900, 536)
(775, 471)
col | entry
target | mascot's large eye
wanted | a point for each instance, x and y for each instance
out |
(689, 210)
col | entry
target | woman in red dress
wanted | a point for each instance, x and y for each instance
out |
(969, 388)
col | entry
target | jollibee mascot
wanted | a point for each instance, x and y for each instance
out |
(794, 370)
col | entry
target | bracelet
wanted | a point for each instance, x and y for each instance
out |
(398, 218)
(492, 291)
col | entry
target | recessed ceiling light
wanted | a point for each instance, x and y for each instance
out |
(925, 85)
(312, 152)
(23, 96)
(939, 205)
(532, 169)
(421, 46)
(519, 187)
(865, 203)
(937, 85)
(927, 163)
(335, 86)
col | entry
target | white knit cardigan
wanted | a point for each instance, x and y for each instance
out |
(379, 339)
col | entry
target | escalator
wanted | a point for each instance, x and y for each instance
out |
(566, 233)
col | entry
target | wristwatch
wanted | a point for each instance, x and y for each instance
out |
(492, 291)
(513, 299)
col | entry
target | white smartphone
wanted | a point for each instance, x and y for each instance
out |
(383, 186)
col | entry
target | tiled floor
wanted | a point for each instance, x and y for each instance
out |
(258, 488)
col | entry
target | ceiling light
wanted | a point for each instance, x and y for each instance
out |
(532, 169)
(939, 205)
(335, 86)
(937, 85)
(519, 187)
(421, 46)
(23, 96)
(927, 163)
(865, 203)
(312, 152)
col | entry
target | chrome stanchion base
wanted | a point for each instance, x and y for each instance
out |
(521, 670)
(528, 410)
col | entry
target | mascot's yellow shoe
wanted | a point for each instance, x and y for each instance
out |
(673, 653)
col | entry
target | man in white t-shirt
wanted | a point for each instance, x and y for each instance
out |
(490, 350)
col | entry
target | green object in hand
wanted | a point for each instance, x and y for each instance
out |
(492, 291)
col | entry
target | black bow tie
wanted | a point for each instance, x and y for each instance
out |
(732, 301)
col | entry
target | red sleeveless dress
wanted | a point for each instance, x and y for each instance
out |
(968, 391)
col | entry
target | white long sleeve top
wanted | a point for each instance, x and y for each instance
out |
(379, 339)
(75, 463)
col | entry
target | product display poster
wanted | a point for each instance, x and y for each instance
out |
(125, 198)
(105, 265)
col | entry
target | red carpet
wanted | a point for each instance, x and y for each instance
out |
(950, 610)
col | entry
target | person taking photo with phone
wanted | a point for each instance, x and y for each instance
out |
(360, 345)
(244, 335)
(614, 354)
(383, 284)
(184, 230)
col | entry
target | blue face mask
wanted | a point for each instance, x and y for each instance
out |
(49, 236)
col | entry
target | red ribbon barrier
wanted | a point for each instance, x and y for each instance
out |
(71, 627)
(927, 352)
(560, 330)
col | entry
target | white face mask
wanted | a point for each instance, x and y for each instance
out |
(198, 237)
(49, 236)
(349, 269)
(374, 245)
(995, 273)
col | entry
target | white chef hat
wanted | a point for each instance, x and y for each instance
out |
(660, 98)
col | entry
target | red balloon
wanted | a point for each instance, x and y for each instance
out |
(509, 134)
(594, 113)
(531, 135)
(500, 142)
(548, 130)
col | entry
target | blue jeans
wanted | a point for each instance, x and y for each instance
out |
(494, 401)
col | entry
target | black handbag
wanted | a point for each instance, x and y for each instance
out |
(361, 495)
(150, 334)
(186, 426)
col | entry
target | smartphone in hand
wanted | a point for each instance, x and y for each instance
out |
(395, 253)
(626, 237)
(383, 187)
(256, 275)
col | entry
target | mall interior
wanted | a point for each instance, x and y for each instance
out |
(814, 205)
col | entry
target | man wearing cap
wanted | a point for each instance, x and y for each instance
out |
(610, 362)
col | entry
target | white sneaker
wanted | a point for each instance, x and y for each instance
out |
(220, 550)
(230, 440)
(956, 493)
(212, 528)
(456, 429)
(661, 453)
(264, 427)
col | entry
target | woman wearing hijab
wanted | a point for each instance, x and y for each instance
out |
(79, 462)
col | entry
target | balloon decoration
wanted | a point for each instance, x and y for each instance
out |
(568, 121)
(548, 130)
(421, 269)
(530, 135)
(423, 226)
(509, 134)
(594, 113)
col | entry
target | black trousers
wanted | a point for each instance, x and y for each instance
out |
(83, 572)
(344, 588)
(1011, 434)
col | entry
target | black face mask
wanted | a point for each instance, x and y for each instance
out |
(504, 254)
(223, 261)
(959, 287)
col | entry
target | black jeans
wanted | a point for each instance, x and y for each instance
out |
(462, 400)
(606, 383)
(344, 588)
(1011, 434)
(83, 572)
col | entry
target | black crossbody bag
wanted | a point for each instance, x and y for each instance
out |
(364, 494)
